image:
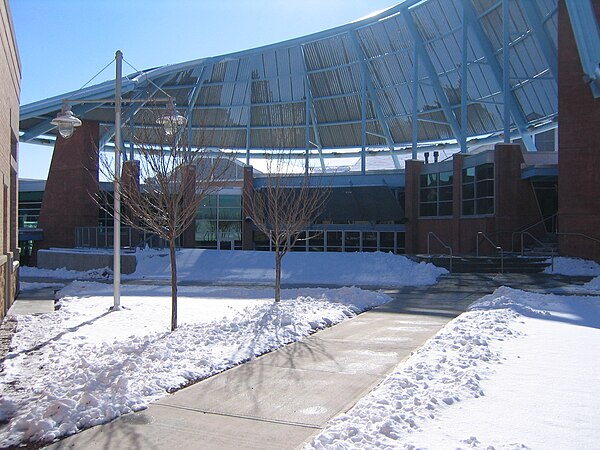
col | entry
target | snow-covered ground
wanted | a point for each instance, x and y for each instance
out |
(573, 266)
(315, 268)
(81, 365)
(518, 370)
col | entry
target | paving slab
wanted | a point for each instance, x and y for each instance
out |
(35, 301)
(333, 355)
(281, 399)
(281, 394)
(162, 427)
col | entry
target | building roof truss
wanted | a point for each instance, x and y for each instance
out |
(393, 80)
(369, 88)
(473, 22)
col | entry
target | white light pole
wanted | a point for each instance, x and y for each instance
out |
(117, 187)
(66, 122)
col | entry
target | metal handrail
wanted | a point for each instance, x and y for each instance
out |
(589, 238)
(497, 247)
(580, 235)
(512, 239)
(539, 242)
(431, 233)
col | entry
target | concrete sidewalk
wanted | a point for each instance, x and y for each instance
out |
(34, 301)
(282, 399)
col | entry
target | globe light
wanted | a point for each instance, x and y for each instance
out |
(172, 121)
(66, 122)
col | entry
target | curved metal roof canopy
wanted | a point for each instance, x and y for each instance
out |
(419, 72)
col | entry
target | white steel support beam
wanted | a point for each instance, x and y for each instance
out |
(373, 96)
(313, 113)
(587, 35)
(130, 113)
(464, 74)
(363, 126)
(45, 126)
(191, 102)
(515, 111)
(534, 18)
(506, 65)
(433, 76)
(415, 102)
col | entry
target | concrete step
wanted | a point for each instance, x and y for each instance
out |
(489, 264)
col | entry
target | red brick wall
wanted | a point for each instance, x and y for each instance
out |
(516, 205)
(411, 207)
(70, 197)
(516, 208)
(579, 148)
(247, 192)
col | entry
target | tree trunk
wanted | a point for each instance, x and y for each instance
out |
(173, 284)
(278, 257)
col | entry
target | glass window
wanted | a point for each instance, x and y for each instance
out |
(334, 241)
(400, 242)
(370, 240)
(435, 191)
(219, 212)
(478, 190)
(316, 242)
(445, 209)
(352, 241)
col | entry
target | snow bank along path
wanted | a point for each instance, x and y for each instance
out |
(346, 269)
(519, 370)
(81, 366)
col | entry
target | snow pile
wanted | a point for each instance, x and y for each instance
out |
(573, 267)
(593, 284)
(103, 273)
(516, 371)
(27, 286)
(81, 366)
(381, 269)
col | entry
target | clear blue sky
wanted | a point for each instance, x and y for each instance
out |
(64, 43)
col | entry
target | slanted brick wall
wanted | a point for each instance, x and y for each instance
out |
(70, 198)
(579, 148)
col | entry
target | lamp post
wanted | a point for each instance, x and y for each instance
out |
(66, 122)
(117, 187)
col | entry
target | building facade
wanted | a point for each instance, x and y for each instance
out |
(10, 79)
(481, 87)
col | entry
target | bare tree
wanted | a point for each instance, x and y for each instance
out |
(285, 207)
(176, 179)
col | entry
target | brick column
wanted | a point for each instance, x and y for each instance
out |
(579, 148)
(516, 205)
(455, 241)
(413, 170)
(247, 192)
(71, 194)
(130, 181)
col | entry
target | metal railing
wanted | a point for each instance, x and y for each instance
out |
(497, 247)
(540, 243)
(103, 237)
(554, 228)
(431, 233)
(581, 235)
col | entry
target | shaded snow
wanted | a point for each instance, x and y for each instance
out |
(518, 370)
(81, 366)
(314, 268)
(380, 269)
(573, 267)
